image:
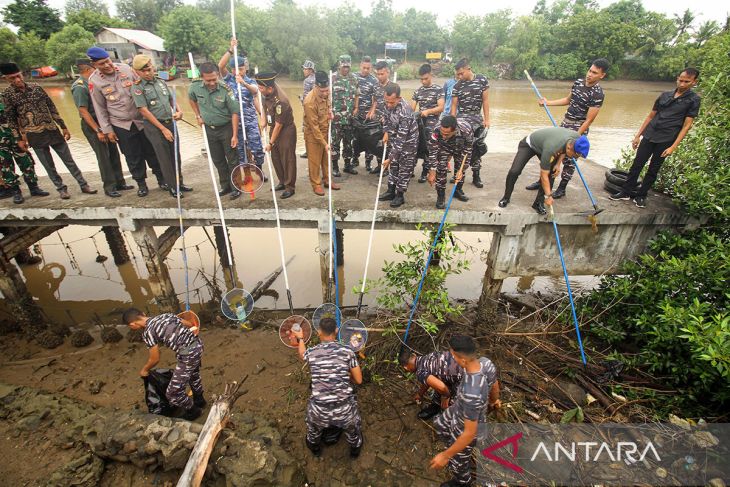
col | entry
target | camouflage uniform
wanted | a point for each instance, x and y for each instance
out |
(344, 89)
(427, 98)
(333, 401)
(167, 329)
(253, 136)
(582, 98)
(469, 95)
(471, 403)
(440, 149)
(402, 128)
(367, 88)
(442, 366)
(10, 155)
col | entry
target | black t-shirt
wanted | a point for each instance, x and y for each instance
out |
(670, 115)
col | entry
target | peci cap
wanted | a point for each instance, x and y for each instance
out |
(140, 61)
(321, 79)
(345, 60)
(96, 53)
(9, 68)
(266, 79)
(308, 64)
(582, 146)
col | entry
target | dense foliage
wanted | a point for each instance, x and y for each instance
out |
(669, 310)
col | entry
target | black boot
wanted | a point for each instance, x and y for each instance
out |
(199, 401)
(18, 197)
(349, 168)
(560, 192)
(376, 170)
(539, 207)
(398, 200)
(534, 186)
(503, 202)
(331, 435)
(368, 166)
(429, 411)
(142, 189)
(336, 168)
(36, 191)
(440, 199)
(424, 175)
(316, 448)
(459, 193)
(476, 179)
(389, 194)
(192, 414)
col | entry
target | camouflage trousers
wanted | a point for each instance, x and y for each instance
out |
(569, 164)
(400, 171)
(342, 134)
(187, 372)
(461, 463)
(8, 159)
(253, 140)
(344, 415)
(442, 169)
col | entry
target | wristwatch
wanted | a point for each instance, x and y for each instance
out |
(548, 196)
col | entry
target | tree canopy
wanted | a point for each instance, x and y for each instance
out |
(33, 16)
(67, 45)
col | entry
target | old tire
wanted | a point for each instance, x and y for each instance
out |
(616, 176)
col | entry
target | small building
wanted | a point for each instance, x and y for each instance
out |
(123, 44)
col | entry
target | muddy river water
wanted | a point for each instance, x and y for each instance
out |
(70, 285)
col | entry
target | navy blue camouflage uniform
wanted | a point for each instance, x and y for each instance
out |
(367, 88)
(442, 366)
(471, 403)
(333, 402)
(469, 108)
(440, 149)
(402, 127)
(168, 330)
(250, 120)
(582, 98)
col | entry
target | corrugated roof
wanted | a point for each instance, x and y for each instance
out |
(143, 38)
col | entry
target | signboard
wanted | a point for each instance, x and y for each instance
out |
(396, 46)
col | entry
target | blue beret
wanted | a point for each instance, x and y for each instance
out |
(241, 61)
(97, 53)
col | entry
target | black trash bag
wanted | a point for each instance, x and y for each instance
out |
(368, 138)
(155, 387)
(422, 152)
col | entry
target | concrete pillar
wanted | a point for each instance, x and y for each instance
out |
(340, 236)
(492, 283)
(220, 245)
(116, 244)
(159, 275)
(17, 298)
(324, 261)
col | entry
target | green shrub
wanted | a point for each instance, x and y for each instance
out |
(406, 71)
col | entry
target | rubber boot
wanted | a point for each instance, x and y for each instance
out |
(398, 200)
(476, 179)
(440, 199)
(560, 192)
(459, 193)
(389, 193)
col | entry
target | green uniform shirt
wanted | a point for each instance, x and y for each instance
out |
(80, 92)
(344, 89)
(550, 144)
(217, 106)
(155, 96)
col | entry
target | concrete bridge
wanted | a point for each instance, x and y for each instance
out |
(523, 242)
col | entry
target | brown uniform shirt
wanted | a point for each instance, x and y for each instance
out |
(316, 117)
(278, 109)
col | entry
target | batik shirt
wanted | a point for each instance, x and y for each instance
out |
(458, 146)
(427, 98)
(168, 330)
(366, 88)
(582, 98)
(440, 365)
(330, 364)
(344, 89)
(469, 94)
(31, 111)
(402, 128)
(472, 398)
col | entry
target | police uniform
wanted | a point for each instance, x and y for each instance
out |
(157, 98)
(283, 149)
(107, 154)
(250, 121)
(116, 112)
(332, 402)
(9, 156)
(471, 403)
(316, 116)
(217, 108)
(167, 330)
(402, 128)
(344, 89)
(469, 107)
(440, 149)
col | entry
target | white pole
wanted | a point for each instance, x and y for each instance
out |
(329, 169)
(235, 77)
(372, 224)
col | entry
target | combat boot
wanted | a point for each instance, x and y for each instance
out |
(389, 193)
(18, 197)
(349, 168)
(368, 166)
(459, 193)
(336, 168)
(35, 190)
(560, 192)
(315, 448)
(199, 401)
(424, 175)
(398, 200)
(476, 180)
(376, 170)
(440, 199)
(534, 186)
(192, 414)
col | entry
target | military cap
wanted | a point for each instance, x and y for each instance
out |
(308, 64)
(241, 61)
(96, 53)
(9, 68)
(321, 79)
(266, 79)
(83, 61)
(345, 60)
(140, 61)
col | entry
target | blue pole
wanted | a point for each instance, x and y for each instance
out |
(334, 270)
(555, 124)
(567, 284)
(430, 256)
